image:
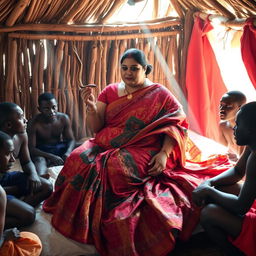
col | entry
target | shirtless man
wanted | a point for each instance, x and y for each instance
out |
(229, 217)
(51, 138)
(18, 213)
(230, 103)
(26, 184)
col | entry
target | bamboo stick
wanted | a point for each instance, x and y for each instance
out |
(58, 61)
(26, 73)
(50, 64)
(221, 9)
(91, 38)
(16, 12)
(12, 52)
(72, 12)
(222, 20)
(155, 9)
(89, 28)
(112, 10)
(178, 8)
(30, 11)
(6, 10)
(40, 72)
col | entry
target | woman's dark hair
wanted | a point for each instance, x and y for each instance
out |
(139, 56)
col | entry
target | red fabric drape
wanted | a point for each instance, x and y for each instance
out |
(204, 83)
(248, 49)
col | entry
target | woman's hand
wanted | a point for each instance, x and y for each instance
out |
(89, 99)
(159, 163)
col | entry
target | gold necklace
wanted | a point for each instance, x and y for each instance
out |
(129, 95)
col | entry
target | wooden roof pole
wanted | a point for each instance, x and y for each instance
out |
(159, 23)
(224, 21)
(91, 38)
(221, 9)
(177, 7)
(76, 8)
(112, 10)
(17, 11)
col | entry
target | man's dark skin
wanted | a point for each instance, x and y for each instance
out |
(224, 202)
(49, 127)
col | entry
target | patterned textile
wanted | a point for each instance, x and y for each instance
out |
(104, 196)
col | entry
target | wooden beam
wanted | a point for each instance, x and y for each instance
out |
(90, 28)
(91, 38)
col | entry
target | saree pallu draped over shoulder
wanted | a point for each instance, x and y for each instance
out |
(104, 195)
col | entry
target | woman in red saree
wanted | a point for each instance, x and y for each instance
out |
(127, 191)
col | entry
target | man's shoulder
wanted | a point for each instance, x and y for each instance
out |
(62, 116)
(225, 125)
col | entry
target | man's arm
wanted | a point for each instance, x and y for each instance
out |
(27, 164)
(234, 174)
(238, 204)
(68, 134)
(2, 214)
(228, 178)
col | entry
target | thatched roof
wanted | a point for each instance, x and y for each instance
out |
(13, 12)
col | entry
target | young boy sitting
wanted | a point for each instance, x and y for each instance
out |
(12, 242)
(26, 184)
(229, 214)
(51, 139)
(230, 103)
(19, 213)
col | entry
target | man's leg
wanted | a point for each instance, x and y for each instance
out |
(41, 167)
(219, 224)
(38, 197)
(18, 213)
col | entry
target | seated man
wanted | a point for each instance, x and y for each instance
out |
(12, 242)
(229, 217)
(51, 139)
(230, 103)
(27, 184)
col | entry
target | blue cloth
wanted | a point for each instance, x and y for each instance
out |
(58, 149)
(15, 178)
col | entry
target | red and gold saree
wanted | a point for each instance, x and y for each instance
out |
(104, 195)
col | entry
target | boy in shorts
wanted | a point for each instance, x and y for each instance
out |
(25, 184)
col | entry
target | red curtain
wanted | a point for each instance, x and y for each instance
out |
(248, 49)
(204, 83)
